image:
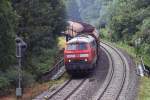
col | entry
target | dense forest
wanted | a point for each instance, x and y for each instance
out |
(39, 23)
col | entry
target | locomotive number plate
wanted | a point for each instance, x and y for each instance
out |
(71, 56)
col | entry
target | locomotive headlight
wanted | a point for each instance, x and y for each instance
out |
(86, 60)
(69, 60)
(84, 55)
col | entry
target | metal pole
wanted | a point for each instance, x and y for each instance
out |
(20, 45)
(19, 72)
(19, 89)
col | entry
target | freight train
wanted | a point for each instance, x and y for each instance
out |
(82, 49)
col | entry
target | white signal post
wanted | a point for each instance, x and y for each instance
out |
(20, 45)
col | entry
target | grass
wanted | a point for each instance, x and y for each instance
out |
(144, 90)
(147, 60)
(130, 50)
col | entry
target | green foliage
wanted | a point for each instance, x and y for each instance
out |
(144, 89)
(129, 21)
(127, 17)
(105, 34)
(39, 24)
(145, 30)
(28, 79)
(145, 35)
(7, 29)
(44, 62)
(4, 83)
(12, 75)
(40, 21)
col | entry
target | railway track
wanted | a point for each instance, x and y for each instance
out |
(64, 91)
(71, 86)
(114, 85)
(111, 89)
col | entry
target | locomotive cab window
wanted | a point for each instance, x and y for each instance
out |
(71, 47)
(78, 46)
(82, 46)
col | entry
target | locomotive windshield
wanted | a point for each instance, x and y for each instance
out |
(71, 47)
(79, 46)
(82, 46)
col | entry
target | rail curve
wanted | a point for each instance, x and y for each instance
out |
(112, 87)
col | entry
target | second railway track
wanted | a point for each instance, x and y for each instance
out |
(114, 86)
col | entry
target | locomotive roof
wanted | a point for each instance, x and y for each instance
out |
(86, 39)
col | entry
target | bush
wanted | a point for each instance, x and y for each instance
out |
(9, 79)
(7, 28)
(28, 79)
(12, 76)
(4, 85)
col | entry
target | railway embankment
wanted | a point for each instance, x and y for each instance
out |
(143, 84)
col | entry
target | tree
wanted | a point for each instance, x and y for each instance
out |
(127, 17)
(8, 22)
(40, 23)
(7, 33)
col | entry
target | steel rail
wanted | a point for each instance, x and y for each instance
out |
(111, 73)
(72, 92)
(124, 74)
(55, 93)
(63, 87)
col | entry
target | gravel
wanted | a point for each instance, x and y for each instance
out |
(132, 88)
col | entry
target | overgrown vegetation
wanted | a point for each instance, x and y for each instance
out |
(39, 23)
(7, 44)
(7, 26)
(144, 89)
(129, 21)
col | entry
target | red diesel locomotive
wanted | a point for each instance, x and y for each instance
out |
(82, 51)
